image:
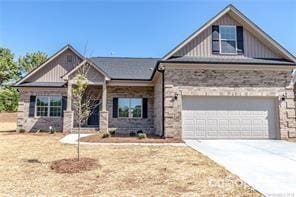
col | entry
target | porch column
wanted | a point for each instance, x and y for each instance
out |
(104, 113)
(69, 97)
(104, 97)
(68, 113)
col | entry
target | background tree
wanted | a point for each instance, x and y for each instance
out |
(8, 99)
(31, 61)
(84, 102)
(9, 70)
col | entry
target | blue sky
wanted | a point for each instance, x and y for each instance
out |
(128, 28)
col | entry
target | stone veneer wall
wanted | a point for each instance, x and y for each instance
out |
(158, 105)
(34, 123)
(126, 125)
(201, 82)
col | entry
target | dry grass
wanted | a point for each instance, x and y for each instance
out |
(7, 121)
(125, 170)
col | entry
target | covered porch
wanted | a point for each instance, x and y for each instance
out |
(98, 119)
(97, 94)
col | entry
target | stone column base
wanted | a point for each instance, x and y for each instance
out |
(104, 120)
(68, 121)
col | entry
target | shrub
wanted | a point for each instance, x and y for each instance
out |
(106, 134)
(21, 130)
(112, 131)
(142, 135)
(140, 131)
(132, 134)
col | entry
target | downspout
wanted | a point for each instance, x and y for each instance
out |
(162, 72)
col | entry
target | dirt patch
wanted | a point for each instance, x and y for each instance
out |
(120, 138)
(74, 165)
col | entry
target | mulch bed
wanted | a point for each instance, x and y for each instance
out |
(121, 138)
(74, 166)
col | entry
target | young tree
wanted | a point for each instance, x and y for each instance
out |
(84, 101)
(31, 61)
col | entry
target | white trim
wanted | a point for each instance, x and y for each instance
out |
(237, 13)
(220, 39)
(66, 77)
(49, 60)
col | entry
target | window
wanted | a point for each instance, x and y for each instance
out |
(136, 108)
(123, 107)
(42, 106)
(48, 106)
(130, 107)
(228, 43)
(55, 106)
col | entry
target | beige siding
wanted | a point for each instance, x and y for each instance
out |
(54, 70)
(93, 76)
(202, 46)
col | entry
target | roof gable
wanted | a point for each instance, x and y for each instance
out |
(267, 47)
(50, 66)
(93, 73)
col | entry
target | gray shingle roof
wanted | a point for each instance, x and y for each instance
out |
(42, 84)
(229, 60)
(125, 67)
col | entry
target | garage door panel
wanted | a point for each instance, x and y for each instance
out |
(228, 117)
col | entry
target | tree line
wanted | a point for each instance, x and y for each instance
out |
(13, 69)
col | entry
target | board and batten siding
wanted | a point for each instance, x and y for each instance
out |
(201, 45)
(55, 69)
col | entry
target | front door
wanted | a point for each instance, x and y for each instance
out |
(94, 118)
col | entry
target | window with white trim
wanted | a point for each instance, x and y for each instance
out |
(48, 106)
(228, 42)
(130, 107)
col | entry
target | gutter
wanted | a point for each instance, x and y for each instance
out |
(217, 62)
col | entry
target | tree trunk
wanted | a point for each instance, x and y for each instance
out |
(78, 141)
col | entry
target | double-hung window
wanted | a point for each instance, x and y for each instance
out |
(130, 107)
(228, 41)
(48, 106)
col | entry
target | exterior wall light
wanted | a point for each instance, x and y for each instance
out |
(283, 98)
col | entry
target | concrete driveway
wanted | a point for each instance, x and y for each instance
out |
(269, 166)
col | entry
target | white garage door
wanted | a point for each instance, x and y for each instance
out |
(228, 117)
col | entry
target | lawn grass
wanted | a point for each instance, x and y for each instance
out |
(124, 170)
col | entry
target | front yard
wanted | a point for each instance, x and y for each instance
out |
(124, 170)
